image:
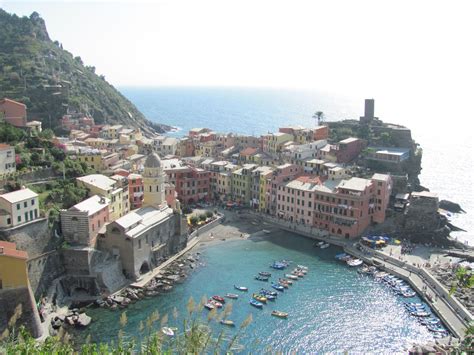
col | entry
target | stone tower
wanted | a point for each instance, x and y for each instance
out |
(153, 182)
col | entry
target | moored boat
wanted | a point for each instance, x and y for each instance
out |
(168, 331)
(218, 299)
(278, 266)
(215, 303)
(325, 245)
(354, 262)
(302, 267)
(280, 314)
(259, 298)
(292, 277)
(420, 314)
(278, 287)
(265, 274)
(289, 282)
(268, 292)
(241, 288)
(284, 284)
(209, 306)
(228, 322)
(232, 295)
(261, 278)
(256, 303)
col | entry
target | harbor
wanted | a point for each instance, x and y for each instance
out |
(332, 297)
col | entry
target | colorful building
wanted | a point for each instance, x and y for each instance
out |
(242, 183)
(18, 207)
(273, 142)
(81, 223)
(7, 159)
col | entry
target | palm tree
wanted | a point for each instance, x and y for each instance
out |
(318, 115)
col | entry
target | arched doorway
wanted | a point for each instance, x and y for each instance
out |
(144, 268)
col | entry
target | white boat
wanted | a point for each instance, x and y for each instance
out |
(167, 331)
(325, 245)
(266, 231)
(355, 262)
(302, 267)
(320, 243)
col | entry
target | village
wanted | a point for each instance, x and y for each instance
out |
(137, 193)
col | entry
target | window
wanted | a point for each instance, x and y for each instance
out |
(26, 216)
(17, 206)
(36, 213)
(9, 220)
(32, 202)
(31, 214)
(139, 243)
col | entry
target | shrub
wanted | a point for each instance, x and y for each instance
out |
(209, 214)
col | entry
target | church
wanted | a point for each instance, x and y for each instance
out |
(144, 238)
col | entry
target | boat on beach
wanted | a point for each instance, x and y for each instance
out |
(279, 314)
(241, 288)
(256, 303)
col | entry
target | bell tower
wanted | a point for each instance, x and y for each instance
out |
(153, 182)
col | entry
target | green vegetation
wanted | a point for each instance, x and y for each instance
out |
(41, 74)
(209, 214)
(193, 220)
(192, 336)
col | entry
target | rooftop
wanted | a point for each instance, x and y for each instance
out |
(98, 180)
(354, 183)
(9, 249)
(381, 177)
(19, 195)
(92, 205)
(138, 221)
(4, 146)
(349, 140)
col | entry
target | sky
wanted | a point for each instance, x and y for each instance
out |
(419, 52)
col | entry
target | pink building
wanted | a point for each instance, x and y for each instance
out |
(135, 190)
(81, 223)
(282, 174)
(343, 208)
(14, 112)
(347, 150)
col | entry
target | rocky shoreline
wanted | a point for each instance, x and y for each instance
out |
(162, 283)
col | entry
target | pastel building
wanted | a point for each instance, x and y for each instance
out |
(18, 207)
(7, 159)
(342, 207)
(109, 188)
(242, 183)
(81, 223)
(135, 190)
(282, 174)
(273, 142)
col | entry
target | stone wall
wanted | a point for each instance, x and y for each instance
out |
(9, 300)
(42, 270)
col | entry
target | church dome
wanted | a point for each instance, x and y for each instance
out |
(153, 161)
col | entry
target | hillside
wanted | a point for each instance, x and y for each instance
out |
(50, 80)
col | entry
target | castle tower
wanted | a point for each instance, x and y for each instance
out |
(153, 182)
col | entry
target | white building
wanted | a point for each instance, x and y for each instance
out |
(7, 159)
(18, 207)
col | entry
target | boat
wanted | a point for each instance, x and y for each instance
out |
(430, 321)
(302, 267)
(341, 256)
(303, 271)
(228, 322)
(215, 303)
(289, 282)
(168, 331)
(320, 244)
(325, 245)
(219, 299)
(412, 304)
(278, 266)
(284, 284)
(280, 314)
(232, 296)
(278, 287)
(420, 314)
(259, 298)
(354, 262)
(261, 278)
(436, 329)
(266, 231)
(409, 294)
(268, 292)
(209, 306)
(265, 273)
(291, 277)
(297, 273)
(241, 288)
(256, 303)
(269, 297)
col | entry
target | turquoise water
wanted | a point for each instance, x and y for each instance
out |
(332, 309)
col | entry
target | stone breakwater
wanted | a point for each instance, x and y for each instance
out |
(162, 283)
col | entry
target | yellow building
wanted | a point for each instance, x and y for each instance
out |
(92, 158)
(242, 183)
(104, 186)
(274, 142)
(13, 270)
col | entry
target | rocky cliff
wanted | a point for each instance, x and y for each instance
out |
(38, 72)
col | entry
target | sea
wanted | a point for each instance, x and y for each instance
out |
(333, 309)
(445, 137)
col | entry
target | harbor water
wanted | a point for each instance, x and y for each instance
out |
(331, 309)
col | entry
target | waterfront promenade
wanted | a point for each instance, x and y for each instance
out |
(449, 309)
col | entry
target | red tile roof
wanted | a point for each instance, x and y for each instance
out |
(9, 249)
(248, 151)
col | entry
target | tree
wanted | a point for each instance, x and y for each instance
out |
(47, 134)
(319, 116)
(193, 220)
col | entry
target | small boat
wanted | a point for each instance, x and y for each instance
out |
(284, 284)
(420, 314)
(409, 294)
(241, 288)
(269, 297)
(280, 314)
(256, 303)
(302, 267)
(289, 282)
(298, 274)
(261, 278)
(292, 277)
(219, 299)
(436, 329)
(278, 266)
(266, 231)
(354, 262)
(268, 292)
(168, 331)
(320, 244)
(215, 303)
(228, 322)
(259, 298)
(232, 296)
(430, 321)
(209, 306)
(278, 287)
(265, 274)
(325, 245)
(341, 256)
(412, 304)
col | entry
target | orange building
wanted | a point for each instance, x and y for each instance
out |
(14, 112)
